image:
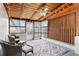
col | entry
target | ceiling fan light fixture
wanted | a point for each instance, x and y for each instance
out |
(43, 14)
(46, 9)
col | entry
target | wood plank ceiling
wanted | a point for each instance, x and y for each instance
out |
(62, 10)
(30, 11)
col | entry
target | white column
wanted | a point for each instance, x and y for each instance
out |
(3, 23)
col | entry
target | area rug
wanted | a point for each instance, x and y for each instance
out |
(46, 48)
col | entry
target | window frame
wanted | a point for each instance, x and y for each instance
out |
(42, 27)
(17, 26)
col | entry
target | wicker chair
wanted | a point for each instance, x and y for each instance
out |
(10, 49)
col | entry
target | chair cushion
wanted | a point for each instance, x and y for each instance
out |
(30, 54)
(26, 48)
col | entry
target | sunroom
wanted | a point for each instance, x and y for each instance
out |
(39, 29)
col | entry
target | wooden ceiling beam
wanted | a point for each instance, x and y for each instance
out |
(24, 19)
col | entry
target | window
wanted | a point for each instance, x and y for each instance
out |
(44, 28)
(40, 29)
(37, 30)
(29, 31)
(17, 26)
(34, 30)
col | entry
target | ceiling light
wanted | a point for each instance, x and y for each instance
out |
(46, 9)
(43, 14)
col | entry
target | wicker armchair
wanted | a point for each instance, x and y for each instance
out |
(11, 49)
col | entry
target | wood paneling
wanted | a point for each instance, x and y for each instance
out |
(62, 28)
